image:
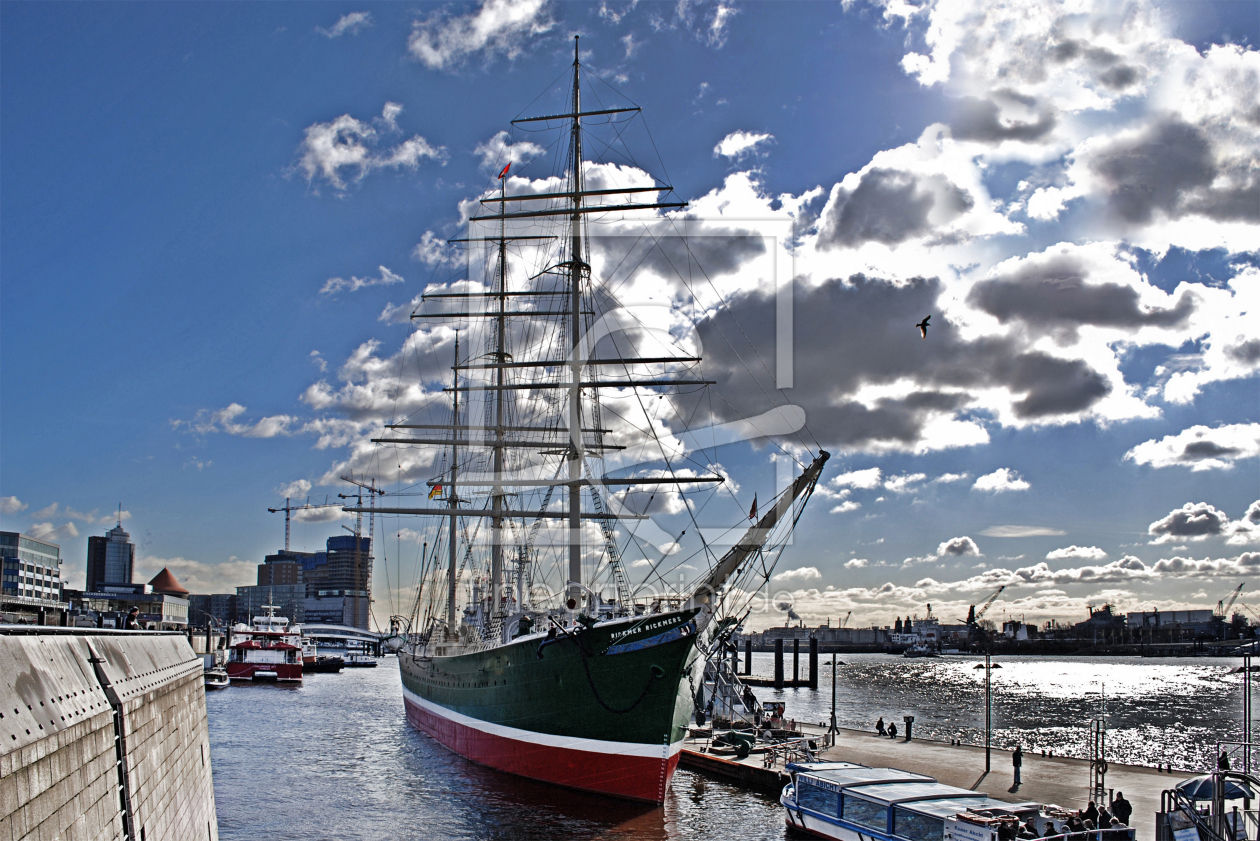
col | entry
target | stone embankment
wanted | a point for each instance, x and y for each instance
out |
(103, 736)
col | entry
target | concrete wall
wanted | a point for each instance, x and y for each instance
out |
(103, 736)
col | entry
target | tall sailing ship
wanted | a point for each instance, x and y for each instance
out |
(587, 683)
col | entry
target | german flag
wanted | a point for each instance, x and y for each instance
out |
(435, 491)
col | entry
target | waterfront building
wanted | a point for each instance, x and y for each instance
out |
(31, 577)
(111, 559)
(163, 604)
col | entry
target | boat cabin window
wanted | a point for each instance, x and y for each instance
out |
(864, 813)
(916, 827)
(817, 799)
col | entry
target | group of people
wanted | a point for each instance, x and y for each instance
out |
(890, 731)
(1091, 819)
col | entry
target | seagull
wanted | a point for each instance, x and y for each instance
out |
(923, 326)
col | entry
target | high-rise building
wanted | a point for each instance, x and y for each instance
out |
(31, 573)
(110, 559)
(221, 607)
(339, 582)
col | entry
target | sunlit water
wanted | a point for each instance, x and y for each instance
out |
(1157, 710)
(336, 759)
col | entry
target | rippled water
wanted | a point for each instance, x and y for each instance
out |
(1157, 710)
(336, 759)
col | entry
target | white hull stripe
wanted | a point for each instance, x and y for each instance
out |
(547, 739)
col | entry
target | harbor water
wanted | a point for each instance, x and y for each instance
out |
(336, 759)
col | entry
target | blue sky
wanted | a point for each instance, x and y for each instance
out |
(1069, 186)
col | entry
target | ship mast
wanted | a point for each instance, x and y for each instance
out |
(453, 501)
(500, 357)
(575, 357)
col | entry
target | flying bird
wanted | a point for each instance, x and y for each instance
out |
(923, 326)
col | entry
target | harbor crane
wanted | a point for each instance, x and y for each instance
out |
(289, 509)
(1226, 604)
(974, 616)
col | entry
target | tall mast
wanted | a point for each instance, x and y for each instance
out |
(500, 356)
(452, 498)
(575, 358)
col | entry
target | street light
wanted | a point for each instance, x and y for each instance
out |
(833, 731)
(988, 709)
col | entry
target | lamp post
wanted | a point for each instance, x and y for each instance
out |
(833, 731)
(988, 667)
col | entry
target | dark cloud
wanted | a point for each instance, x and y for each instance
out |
(1118, 77)
(890, 206)
(1197, 450)
(720, 252)
(1156, 170)
(860, 332)
(1194, 520)
(980, 119)
(958, 546)
(1248, 353)
(1053, 294)
(1253, 513)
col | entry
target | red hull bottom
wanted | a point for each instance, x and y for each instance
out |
(633, 777)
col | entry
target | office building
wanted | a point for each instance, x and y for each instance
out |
(110, 559)
(339, 583)
(31, 581)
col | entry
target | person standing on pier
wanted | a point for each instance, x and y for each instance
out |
(879, 726)
(1017, 761)
(131, 623)
(1121, 808)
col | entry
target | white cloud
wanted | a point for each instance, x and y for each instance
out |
(11, 505)
(799, 574)
(499, 151)
(47, 531)
(1089, 553)
(856, 563)
(224, 420)
(347, 144)
(739, 144)
(845, 507)
(336, 284)
(1001, 480)
(901, 484)
(1200, 447)
(950, 478)
(319, 361)
(958, 546)
(498, 27)
(862, 479)
(1247, 528)
(1022, 531)
(199, 576)
(294, 490)
(432, 250)
(351, 23)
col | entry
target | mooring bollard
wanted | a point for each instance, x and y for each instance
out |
(909, 720)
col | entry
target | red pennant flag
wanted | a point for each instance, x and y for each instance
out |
(752, 514)
(505, 169)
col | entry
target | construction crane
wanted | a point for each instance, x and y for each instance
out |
(373, 493)
(289, 509)
(845, 623)
(1226, 604)
(974, 616)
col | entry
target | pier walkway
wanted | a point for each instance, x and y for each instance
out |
(1060, 780)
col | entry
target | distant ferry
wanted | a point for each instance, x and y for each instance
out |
(851, 802)
(271, 650)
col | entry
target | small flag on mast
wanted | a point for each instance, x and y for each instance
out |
(436, 491)
(752, 514)
(505, 169)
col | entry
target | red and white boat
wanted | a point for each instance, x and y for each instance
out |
(270, 650)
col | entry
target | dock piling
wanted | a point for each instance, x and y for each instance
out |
(748, 656)
(813, 662)
(778, 663)
(796, 661)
